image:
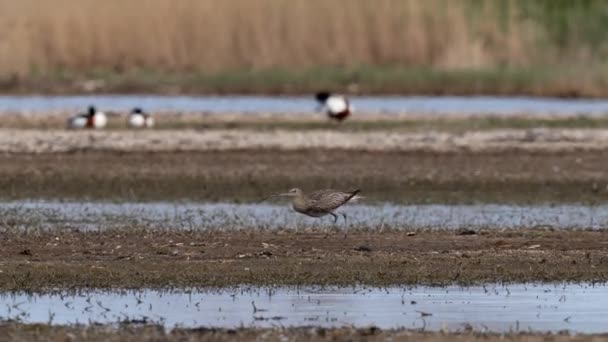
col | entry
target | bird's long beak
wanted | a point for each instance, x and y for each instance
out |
(356, 198)
(272, 196)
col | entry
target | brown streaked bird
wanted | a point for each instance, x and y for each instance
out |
(319, 203)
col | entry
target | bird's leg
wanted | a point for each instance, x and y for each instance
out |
(345, 225)
(335, 217)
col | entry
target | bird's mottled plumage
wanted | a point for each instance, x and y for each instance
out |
(329, 199)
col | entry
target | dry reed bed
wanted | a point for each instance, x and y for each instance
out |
(195, 46)
(546, 140)
(219, 35)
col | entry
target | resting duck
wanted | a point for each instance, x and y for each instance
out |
(140, 119)
(91, 119)
(337, 107)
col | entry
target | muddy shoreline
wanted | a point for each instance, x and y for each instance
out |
(134, 332)
(534, 140)
(407, 120)
(135, 258)
(235, 176)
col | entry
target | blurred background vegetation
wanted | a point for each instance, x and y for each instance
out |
(532, 47)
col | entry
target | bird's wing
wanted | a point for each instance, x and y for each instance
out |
(328, 199)
(78, 121)
(136, 120)
(316, 195)
(336, 104)
(100, 119)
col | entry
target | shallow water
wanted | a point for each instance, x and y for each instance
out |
(499, 308)
(227, 216)
(302, 104)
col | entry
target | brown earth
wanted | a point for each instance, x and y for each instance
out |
(42, 332)
(162, 259)
(405, 121)
(406, 177)
(172, 140)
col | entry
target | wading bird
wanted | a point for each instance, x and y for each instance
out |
(337, 107)
(319, 203)
(140, 119)
(91, 119)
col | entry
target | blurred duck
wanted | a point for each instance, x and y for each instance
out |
(91, 119)
(337, 107)
(140, 119)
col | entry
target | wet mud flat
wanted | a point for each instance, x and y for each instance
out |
(128, 332)
(248, 175)
(497, 140)
(135, 258)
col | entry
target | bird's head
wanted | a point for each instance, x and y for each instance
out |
(137, 110)
(293, 192)
(92, 110)
(322, 96)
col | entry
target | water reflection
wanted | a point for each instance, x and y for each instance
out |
(227, 216)
(579, 308)
(301, 104)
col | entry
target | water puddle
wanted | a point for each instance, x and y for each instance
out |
(581, 308)
(226, 216)
(303, 104)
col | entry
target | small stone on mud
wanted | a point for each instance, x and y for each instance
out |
(363, 248)
(26, 252)
(267, 254)
(410, 234)
(466, 232)
(369, 331)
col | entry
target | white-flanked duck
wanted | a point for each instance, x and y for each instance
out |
(337, 107)
(91, 119)
(140, 119)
